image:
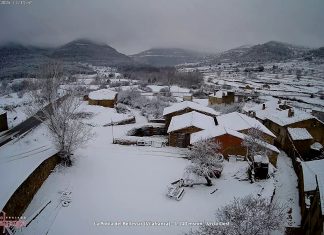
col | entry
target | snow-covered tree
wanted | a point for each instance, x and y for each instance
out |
(133, 98)
(255, 145)
(59, 114)
(248, 215)
(67, 130)
(205, 158)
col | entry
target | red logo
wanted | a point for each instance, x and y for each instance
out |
(7, 222)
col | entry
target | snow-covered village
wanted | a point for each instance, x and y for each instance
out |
(215, 135)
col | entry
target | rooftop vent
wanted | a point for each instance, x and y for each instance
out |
(291, 112)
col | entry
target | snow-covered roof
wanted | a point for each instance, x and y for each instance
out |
(238, 121)
(299, 134)
(313, 170)
(191, 119)
(277, 115)
(282, 119)
(221, 130)
(261, 159)
(103, 94)
(316, 146)
(188, 104)
(214, 132)
(219, 94)
(19, 160)
(310, 169)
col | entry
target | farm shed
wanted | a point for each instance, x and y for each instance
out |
(261, 166)
(186, 107)
(103, 97)
(182, 126)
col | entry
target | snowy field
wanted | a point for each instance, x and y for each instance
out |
(113, 183)
(14, 106)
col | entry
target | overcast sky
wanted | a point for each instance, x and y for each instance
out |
(134, 25)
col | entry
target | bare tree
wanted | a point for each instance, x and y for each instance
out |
(228, 108)
(205, 158)
(59, 114)
(255, 142)
(248, 215)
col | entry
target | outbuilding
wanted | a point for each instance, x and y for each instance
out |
(182, 126)
(186, 107)
(103, 97)
(221, 97)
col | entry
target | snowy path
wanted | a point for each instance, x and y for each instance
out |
(286, 189)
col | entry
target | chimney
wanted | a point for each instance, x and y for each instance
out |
(290, 112)
(263, 106)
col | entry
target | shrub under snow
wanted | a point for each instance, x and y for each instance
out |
(150, 108)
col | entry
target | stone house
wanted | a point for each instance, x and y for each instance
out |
(221, 97)
(186, 107)
(231, 142)
(103, 97)
(311, 194)
(182, 126)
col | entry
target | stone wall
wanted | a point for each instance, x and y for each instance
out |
(22, 197)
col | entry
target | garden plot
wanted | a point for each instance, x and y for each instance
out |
(100, 116)
(113, 183)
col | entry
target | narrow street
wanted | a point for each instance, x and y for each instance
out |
(286, 190)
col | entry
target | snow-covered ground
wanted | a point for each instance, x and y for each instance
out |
(101, 116)
(113, 183)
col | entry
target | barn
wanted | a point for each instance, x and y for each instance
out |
(103, 97)
(231, 142)
(182, 126)
(186, 107)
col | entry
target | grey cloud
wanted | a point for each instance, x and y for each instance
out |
(134, 25)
